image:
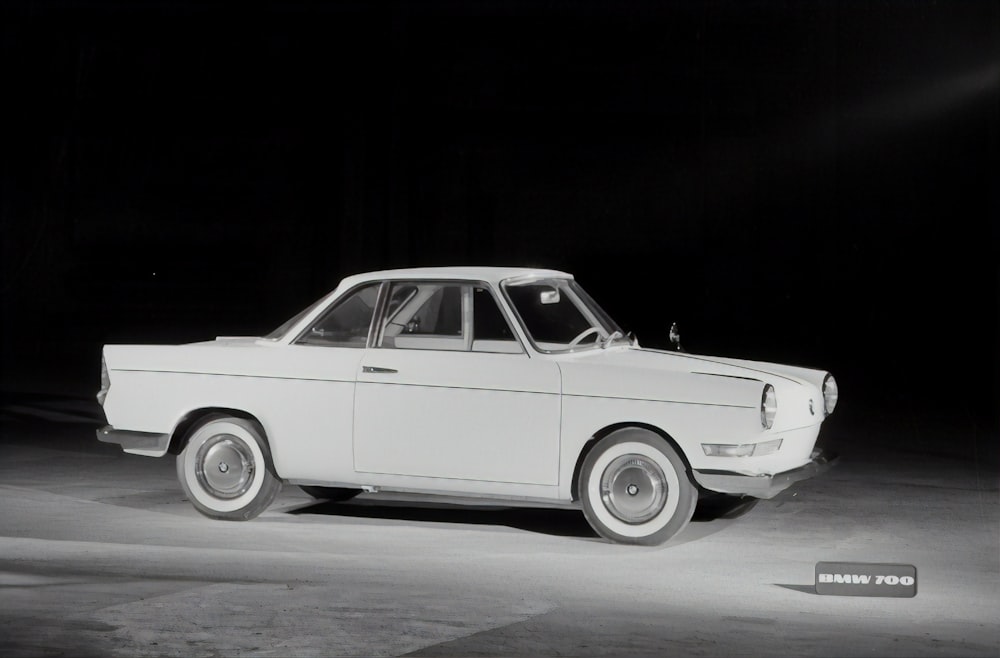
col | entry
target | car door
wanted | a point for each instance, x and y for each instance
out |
(447, 391)
(310, 390)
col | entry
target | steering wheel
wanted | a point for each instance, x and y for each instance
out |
(586, 332)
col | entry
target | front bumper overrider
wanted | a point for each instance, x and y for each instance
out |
(763, 486)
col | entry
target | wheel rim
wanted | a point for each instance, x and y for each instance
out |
(633, 488)
(224, 466)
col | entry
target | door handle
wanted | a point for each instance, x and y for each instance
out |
(378, 371)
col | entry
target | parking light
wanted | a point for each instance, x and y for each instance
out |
(744, 450)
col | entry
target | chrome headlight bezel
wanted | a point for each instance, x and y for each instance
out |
(830, 394)
(768, 407)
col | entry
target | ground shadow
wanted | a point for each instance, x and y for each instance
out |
(556, 522)
(712, 507)
(805, 589)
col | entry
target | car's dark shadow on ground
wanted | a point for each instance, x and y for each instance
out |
(712, 507)
(555, 522)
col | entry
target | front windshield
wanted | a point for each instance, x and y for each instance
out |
(559, 316)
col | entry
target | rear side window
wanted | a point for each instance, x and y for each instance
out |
(347, 322)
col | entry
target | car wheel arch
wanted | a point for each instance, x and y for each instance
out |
(195, 418)
(600, 434)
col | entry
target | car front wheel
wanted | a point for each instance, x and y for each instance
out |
(635, 489)
(225, 469)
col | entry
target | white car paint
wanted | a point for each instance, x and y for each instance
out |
(512, 422)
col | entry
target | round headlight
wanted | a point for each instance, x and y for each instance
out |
(829, 394)
(768, 407)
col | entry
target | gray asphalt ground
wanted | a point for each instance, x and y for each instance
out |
(100, 555)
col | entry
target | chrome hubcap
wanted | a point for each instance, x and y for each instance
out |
(225, 466)
(633, 488)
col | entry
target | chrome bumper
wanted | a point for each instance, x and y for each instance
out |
(134, 440)
(763, 486)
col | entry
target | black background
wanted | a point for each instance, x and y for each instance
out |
(813, 183)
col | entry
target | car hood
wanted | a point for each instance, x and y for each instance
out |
(680, 377)
(685, 362)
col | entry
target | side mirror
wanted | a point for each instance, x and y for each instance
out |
(675, 337)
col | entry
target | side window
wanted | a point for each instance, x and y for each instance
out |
(440, 314)
(424, 316)
(346, 324)
(490, 330)
(428, 315)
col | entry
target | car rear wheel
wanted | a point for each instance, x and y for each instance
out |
(635, 489)
(333, 494)
(226, 471)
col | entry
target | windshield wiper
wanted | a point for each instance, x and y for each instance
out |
(610, 339)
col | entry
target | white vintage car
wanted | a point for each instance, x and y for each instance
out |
(496, 383)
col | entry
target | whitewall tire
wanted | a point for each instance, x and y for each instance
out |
(226, 471)
(635, 488)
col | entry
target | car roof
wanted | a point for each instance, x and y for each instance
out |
(492, 275)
